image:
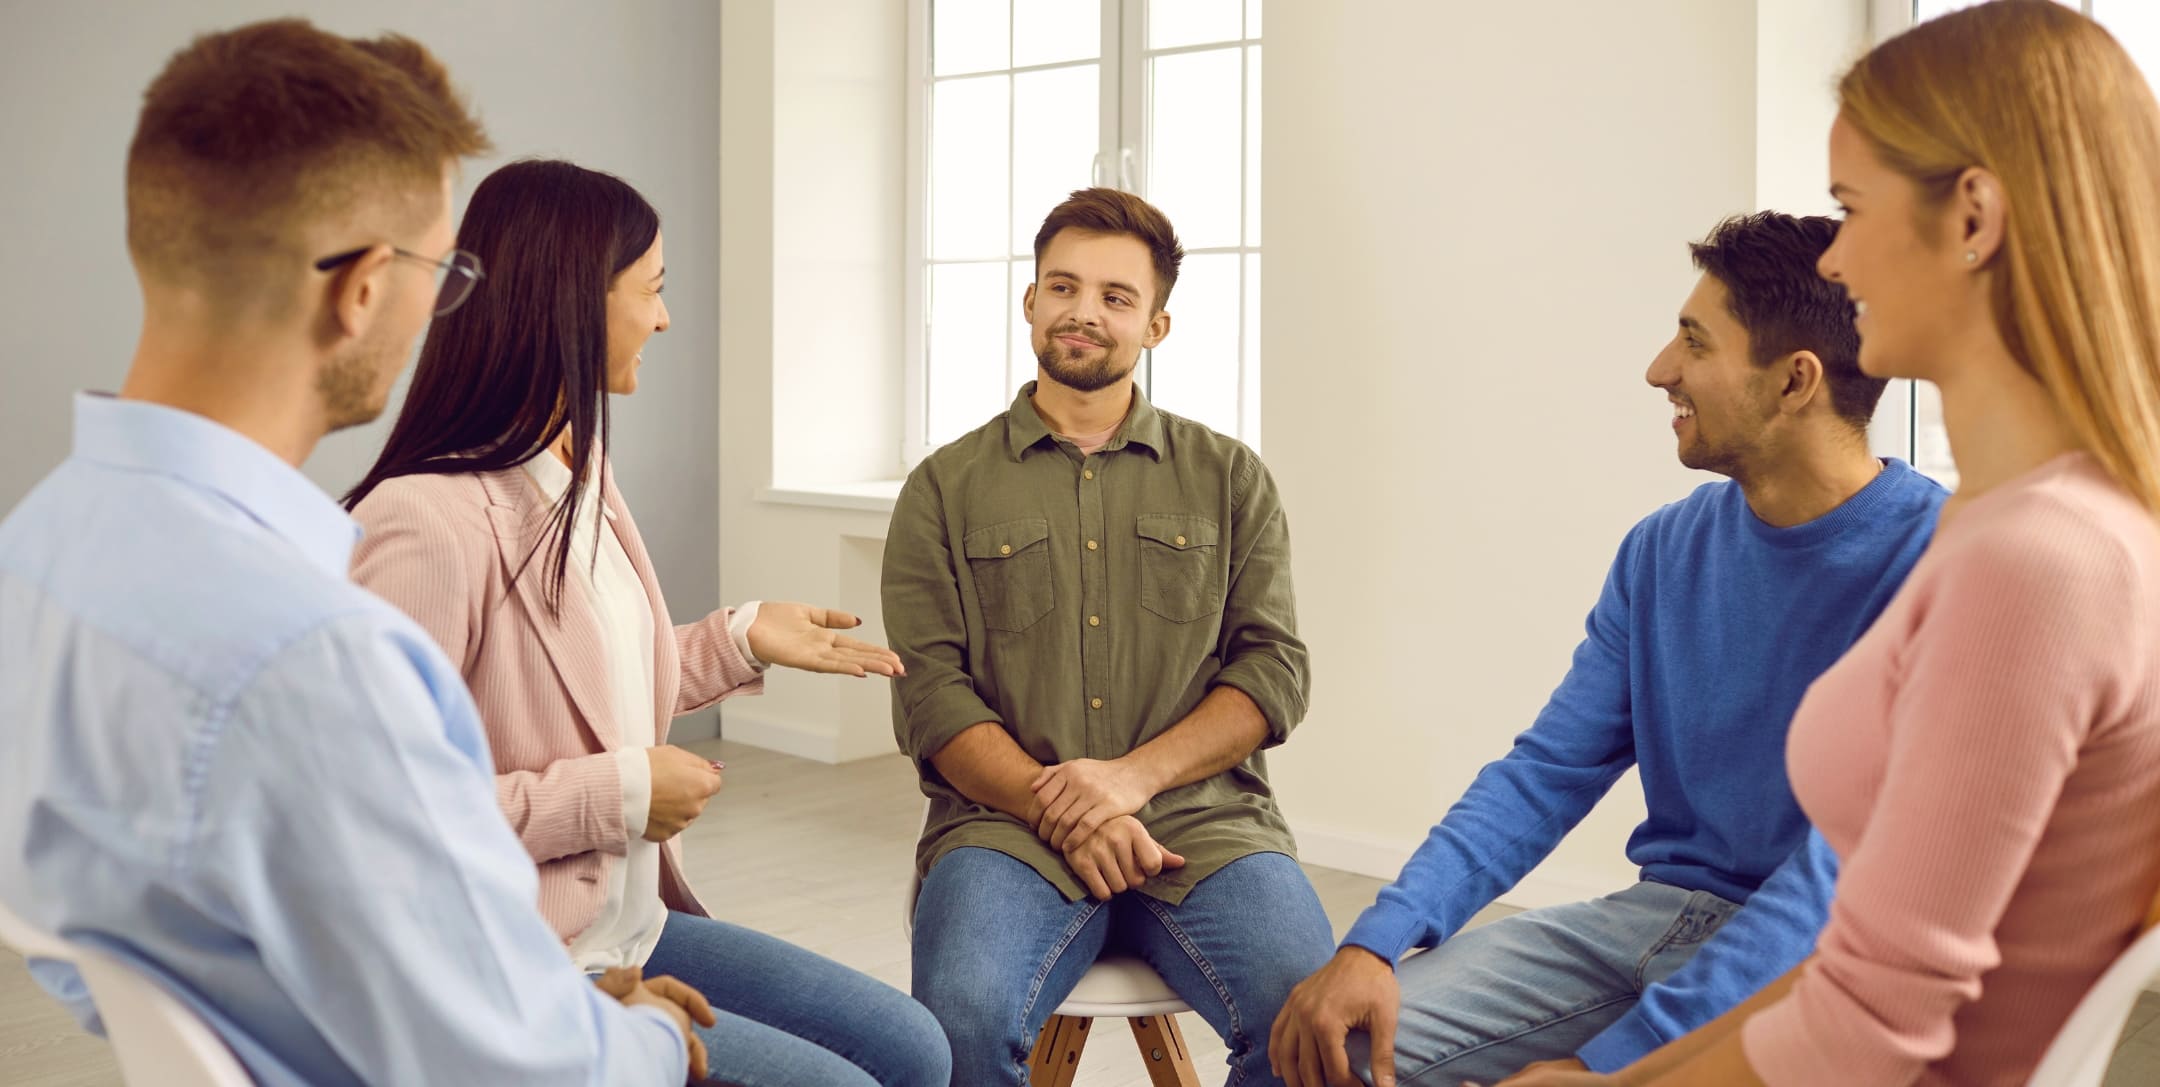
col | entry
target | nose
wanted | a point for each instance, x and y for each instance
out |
(1087, 310)
(1827, 265)
(662, 325)
(1664, 371)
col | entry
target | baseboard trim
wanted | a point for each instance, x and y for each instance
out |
(789, 737)
(1381, 858)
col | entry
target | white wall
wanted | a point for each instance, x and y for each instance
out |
(1476, 228)
(628, 88)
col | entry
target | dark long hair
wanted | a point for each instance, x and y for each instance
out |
(526, 355)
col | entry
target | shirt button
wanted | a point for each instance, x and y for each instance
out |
(1007, 549)
(1094, 620)
(1095, 703)
(1092, 545)
(1180, 542)
(1087, 473)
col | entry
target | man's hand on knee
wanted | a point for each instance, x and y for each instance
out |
(1119, 857)
(1355, 990)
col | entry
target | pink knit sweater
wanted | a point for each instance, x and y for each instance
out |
(1986, 761)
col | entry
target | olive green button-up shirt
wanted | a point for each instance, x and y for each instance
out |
(1087, 604)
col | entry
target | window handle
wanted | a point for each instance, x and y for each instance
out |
(1114, 169)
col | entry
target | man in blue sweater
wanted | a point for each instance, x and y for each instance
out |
(1718, 613)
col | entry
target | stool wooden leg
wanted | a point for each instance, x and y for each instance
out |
(1162, 1046)
(1056, 1059)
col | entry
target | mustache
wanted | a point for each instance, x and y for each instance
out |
(1076, 330)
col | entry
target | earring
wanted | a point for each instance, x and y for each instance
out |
(1971, 257)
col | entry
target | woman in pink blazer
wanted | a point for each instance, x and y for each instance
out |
(493, 519)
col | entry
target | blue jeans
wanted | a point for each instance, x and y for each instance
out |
(790, 1018)
(997, 949)
(1539, 985)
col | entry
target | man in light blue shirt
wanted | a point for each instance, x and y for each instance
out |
(257, 784)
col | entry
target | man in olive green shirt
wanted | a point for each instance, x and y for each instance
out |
(1092, 601)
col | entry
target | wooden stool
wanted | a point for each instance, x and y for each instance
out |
(1123, 987)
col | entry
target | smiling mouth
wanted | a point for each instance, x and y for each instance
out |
(1682, 411)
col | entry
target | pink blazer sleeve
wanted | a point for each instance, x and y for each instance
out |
(712, 667)
(429, 549)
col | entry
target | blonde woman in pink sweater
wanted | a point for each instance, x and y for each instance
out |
(1986, 759)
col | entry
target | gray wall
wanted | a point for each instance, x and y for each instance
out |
(631, 88)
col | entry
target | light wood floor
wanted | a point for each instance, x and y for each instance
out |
(817, 855)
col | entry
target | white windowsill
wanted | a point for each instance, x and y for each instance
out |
(874, 496)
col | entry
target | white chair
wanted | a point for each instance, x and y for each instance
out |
(32, 941)
(155, 1037)
(2083, 1048)
(1117, 986)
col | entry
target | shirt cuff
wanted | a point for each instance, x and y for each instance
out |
(1384, 932)
(682, 1045)
(635, 768)
(739, 628)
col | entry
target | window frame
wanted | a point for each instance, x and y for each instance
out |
(1121, 160)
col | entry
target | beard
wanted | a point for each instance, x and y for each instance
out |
(1072, 368)
(355, 386)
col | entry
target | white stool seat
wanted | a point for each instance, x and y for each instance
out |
(1121, 986)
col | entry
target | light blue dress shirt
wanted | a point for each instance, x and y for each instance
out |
(225, 763)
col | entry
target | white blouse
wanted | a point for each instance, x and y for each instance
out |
(628, 926)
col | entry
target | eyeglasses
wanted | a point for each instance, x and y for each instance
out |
(455, 275)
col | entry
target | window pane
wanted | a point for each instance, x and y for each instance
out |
(1923, 10)
(1047, 32)
(1196, 368)
(1252, 18)
(1020, 365)
(2136, 24)
(968, 36)
(1194, 134)
(1252, 145)
(966, 338)
(1053, 146)
(968, 164)
(1172, 23)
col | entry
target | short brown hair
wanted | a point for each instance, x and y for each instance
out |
(1109, 211)
(250, 134)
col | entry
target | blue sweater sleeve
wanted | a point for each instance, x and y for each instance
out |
(1520, 806)
(1774, 932)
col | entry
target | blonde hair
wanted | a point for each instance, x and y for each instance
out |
(2048, 102)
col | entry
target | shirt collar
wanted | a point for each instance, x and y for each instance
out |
(138, 436)
(553, 476)
(1025, 428)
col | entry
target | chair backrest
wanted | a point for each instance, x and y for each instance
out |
(156, 1038)
(2082, 1050)
(32, 941)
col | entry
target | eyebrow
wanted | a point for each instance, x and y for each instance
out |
(1694, 326)
(660, 275)
(1114, 285)
(1839, 188)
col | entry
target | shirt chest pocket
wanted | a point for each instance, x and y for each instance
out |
(1179, 578)
(1010, 562)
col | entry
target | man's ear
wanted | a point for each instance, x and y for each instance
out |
(1804, 381)
(357, 291)
(1158, 327)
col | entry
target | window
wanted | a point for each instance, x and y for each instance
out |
(2135, 23)
(1014, 104)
